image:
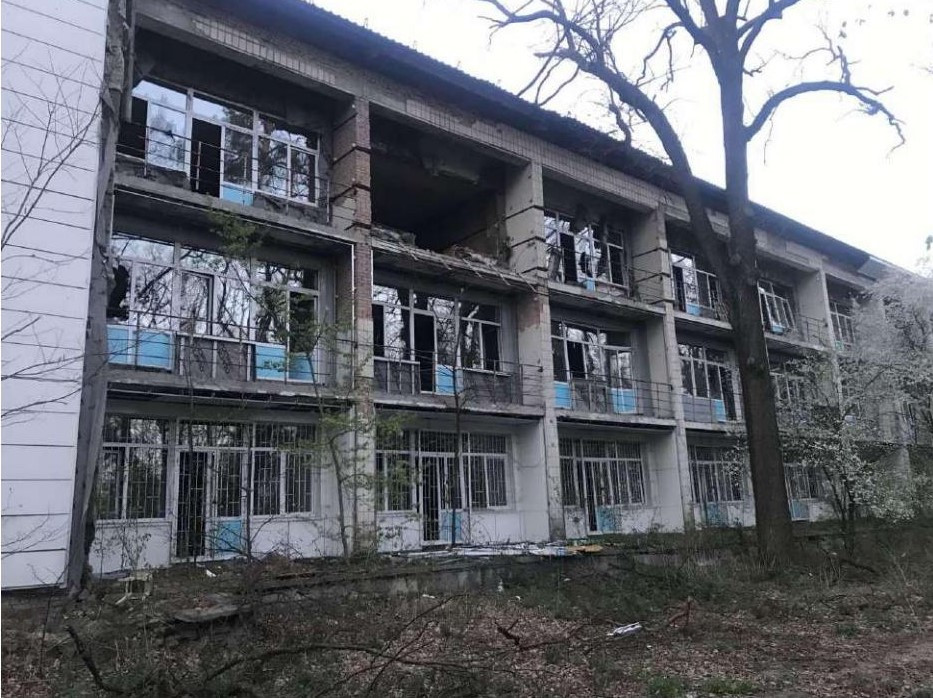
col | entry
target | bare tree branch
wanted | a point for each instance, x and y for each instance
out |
(866, 97)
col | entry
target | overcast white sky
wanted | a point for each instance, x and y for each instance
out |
(824, 165)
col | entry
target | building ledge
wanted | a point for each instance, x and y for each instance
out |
(439, 403)
(138, 194)
(633, 420)
(410, 259)
(145, 385)
(575, 297)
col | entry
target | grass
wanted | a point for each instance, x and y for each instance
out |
(819, 625)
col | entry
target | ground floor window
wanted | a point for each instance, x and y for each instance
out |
(601, 473)
(131, 475)
(425, 461)
(717, 474)
(220, 469)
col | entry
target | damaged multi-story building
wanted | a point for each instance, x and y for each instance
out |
(360, 299)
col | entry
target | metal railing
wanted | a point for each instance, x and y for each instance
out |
(801, 328)
(233, 175)
(711, 410)
(203, 351)
(501, 383)
(605, 395)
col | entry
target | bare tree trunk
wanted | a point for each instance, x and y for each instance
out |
(772, 515)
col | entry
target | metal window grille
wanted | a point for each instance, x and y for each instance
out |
(394, 472)
(481, 478)
(300, 477)
(133, 468)
(603, 473)
(716, 475)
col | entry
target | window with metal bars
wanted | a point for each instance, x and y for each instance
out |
(716, 474)
(601, 473)
(481, 480)
(132, 471)
(394, 471)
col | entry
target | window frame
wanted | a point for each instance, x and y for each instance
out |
(255, 132)
(127, 448)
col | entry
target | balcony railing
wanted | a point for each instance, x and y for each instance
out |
(711, 410)
(800, 328)
(704, 300)
(167, 346)
(503, 383)
(607, 396)
(237, 176)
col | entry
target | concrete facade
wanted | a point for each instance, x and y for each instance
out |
(509, 345)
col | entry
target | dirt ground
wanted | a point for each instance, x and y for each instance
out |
(831, 625)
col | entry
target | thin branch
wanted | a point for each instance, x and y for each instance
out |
(865, 96)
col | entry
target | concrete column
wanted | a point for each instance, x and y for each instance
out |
(352, 210)
(671, 453)
(539, 471)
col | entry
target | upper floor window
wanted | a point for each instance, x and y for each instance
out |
(697, 291)
(226, 150)
(843, 324)
(791, 390)
(585, 254)
(585, 353)
(212, 305)
(777, 307)
(410, 325)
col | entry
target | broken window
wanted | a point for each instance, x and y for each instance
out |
(776, 307)
(843, 325)
(479, 335)
(435, 339)
(697, 291)
(224, 139)
(287, 161)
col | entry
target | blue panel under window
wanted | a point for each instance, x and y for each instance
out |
(693, 308)
(444, 380)
(715, 514)
(300, 367)
(270, 362)
(607, 519)
(623, 400)
(719, 410)
(237, 195)
(118, 344)
(154, 349)
(455, 517)
(562, 399)
(799, 511)
(228, 536)
(777, 328)
(590, 284)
